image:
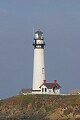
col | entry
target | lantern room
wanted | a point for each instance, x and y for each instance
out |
(38, 39)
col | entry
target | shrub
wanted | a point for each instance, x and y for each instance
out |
(68, 111)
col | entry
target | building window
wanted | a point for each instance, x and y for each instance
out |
(45, 89)
(54, 89)
(42, 89)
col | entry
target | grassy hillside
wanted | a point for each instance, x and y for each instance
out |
(41, 107)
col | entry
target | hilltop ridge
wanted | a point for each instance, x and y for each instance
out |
(40, 107)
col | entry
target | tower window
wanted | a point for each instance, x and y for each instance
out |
(42, 70)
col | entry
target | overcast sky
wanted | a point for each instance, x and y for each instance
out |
(60, 22)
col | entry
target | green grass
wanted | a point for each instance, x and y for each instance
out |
(49, 109)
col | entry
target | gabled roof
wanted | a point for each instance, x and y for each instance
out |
(51, 85)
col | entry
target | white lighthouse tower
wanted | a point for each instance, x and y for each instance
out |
(38, 66)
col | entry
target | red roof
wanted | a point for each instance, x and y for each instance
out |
(51, 85)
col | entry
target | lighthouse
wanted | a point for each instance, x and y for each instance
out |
(38, 64)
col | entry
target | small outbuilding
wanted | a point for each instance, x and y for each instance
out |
(25, 91)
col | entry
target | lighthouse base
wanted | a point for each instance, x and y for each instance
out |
(36, 91)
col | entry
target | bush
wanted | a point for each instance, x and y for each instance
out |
(68, 111)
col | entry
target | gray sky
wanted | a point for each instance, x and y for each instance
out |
(60, 22)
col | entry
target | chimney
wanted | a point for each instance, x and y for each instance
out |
(55, 81)
(44, 81)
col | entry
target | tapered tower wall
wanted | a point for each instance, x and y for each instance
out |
(38, 69)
